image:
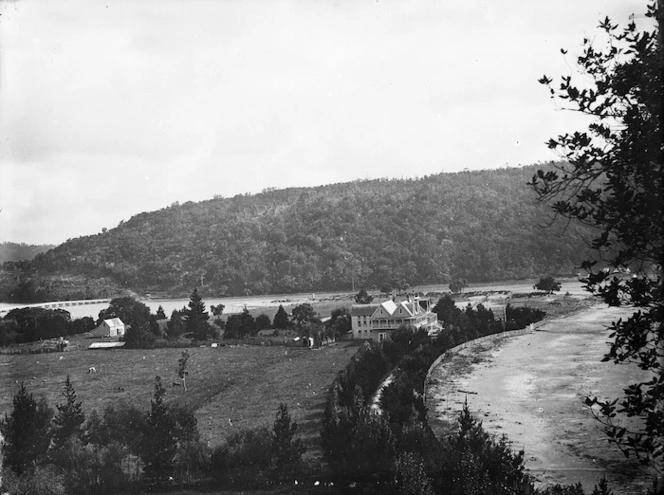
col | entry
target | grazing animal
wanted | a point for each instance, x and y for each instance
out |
(92, 369)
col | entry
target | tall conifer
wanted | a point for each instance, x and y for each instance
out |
(69, 419)
(159, 443)
(197, 318)
(25, 431)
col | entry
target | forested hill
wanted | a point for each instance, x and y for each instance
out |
(476, 225)
(13, 251)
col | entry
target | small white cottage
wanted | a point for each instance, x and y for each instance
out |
(112, 327)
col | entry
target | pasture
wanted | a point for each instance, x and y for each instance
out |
(228, 387)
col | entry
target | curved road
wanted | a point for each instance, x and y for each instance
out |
(531, 388)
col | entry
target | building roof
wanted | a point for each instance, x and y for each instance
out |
(389, 306)
(114, 322)
(106, 345)
(412, 307)
(363, 309)
(407, 307)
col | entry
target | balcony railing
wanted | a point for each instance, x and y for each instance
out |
(396, 324)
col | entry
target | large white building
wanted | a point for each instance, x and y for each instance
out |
(378, 321)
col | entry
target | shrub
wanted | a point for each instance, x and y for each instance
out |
(244, 458)
(286, 451)
(192, 461)
(42, 480)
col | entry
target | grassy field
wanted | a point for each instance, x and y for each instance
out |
(229, 387)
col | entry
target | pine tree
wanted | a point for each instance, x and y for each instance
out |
(197, 318)
(175, 326)
(69, 419)
(160, 315)
(286, 452)
(159, 443)
(25, 431)
(280, 319)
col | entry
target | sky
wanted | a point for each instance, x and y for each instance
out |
(111, 108)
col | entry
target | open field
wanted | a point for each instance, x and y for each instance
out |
(228, 387)
(532, 389)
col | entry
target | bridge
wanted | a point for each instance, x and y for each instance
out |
(56, 304)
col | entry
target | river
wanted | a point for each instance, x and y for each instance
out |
(80, 309)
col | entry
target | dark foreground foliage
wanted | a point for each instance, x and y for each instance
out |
(613, 181)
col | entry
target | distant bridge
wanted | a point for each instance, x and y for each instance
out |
(56, 304)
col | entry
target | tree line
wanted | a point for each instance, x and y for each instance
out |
(31, 324)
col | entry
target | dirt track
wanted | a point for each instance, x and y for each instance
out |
(532, 388)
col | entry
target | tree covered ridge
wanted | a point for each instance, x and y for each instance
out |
(14, 251)
(481, 225)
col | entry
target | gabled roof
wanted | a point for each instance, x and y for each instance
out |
(114, 322)
(406, 307)
(363, 309)
(389, 306)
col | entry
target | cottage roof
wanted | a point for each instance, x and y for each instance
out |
(114, 322)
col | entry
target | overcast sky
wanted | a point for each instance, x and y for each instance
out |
(111, 108)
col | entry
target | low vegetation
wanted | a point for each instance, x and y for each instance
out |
(126, 450)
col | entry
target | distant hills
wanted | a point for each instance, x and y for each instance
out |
(480, 226)
(12, 251)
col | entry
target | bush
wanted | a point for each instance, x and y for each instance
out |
(521, 317)
(244, 459)
(192, 461)
(476, 464)
(409, 476)
(42, 480)
(286, 451)
(548, 285)
(96, 469)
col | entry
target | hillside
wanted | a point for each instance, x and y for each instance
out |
(13, 251)
(481, 226)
